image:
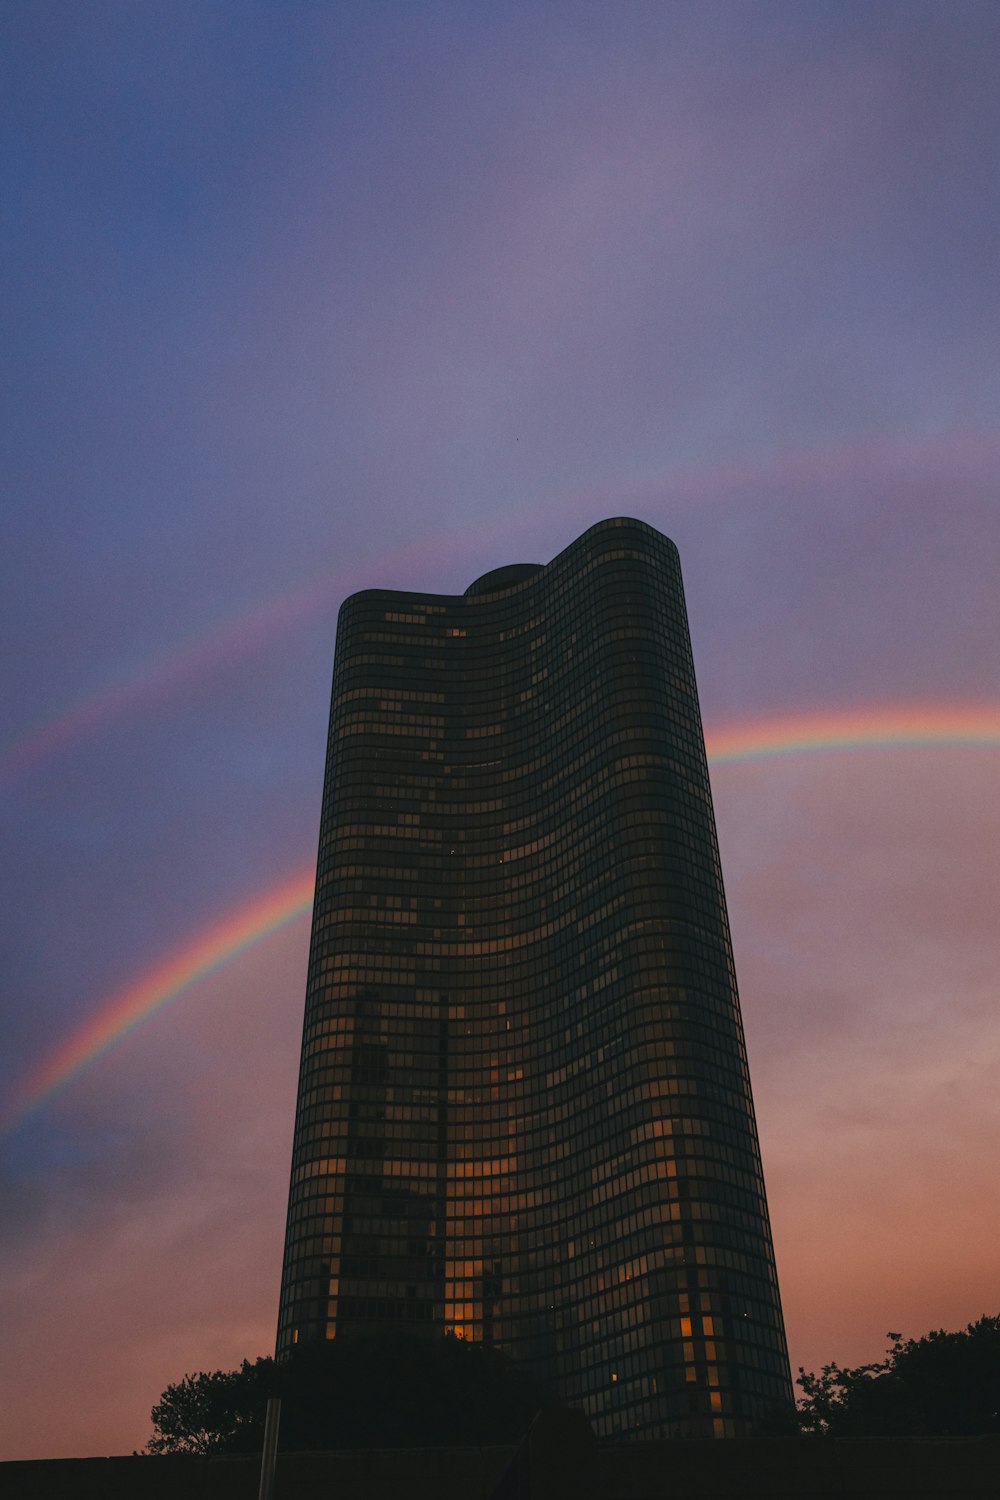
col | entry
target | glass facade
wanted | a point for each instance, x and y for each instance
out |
(524, 1111)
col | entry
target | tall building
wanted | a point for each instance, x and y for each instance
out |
(524, 1111)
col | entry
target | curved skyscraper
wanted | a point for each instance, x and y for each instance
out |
(524, 1112)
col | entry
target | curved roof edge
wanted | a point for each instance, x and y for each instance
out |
(513, 575)
(498, 579)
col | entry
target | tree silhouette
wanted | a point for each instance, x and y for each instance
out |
(390, 1391)
(221, 1412)
(941, 1385)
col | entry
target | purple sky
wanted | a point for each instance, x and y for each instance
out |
(305, 297)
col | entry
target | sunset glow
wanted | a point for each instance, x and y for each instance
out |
(310, 300)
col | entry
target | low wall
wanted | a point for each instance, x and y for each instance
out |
(554, 1466)
(388, 1474)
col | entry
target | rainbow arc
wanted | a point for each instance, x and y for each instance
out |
(972, 726)
(122, 1012)
(917, 725)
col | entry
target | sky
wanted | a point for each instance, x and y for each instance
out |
(306, 297)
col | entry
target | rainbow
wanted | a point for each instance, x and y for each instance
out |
(167, 981)
(873, 728)
(790, 735)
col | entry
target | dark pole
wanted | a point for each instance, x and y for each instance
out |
(270, 1453)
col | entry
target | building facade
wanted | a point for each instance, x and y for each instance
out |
(524, 1113)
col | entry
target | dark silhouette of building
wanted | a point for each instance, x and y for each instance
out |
(524, 1111)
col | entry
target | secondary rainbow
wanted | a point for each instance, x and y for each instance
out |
(238, 636)
(919, 725)
(163, 677)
